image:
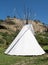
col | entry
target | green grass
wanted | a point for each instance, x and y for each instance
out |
(22, 60)
(45, 47)
(19, 60)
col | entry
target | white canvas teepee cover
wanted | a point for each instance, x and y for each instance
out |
(25, 43)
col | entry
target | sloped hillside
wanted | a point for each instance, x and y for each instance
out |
(9, 29)
(13, 24)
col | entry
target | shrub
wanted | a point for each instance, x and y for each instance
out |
(42, 40)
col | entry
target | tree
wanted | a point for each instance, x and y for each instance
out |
(8, 17)
(14, 16)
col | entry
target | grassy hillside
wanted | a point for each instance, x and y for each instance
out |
(7, 35)
(6, 39)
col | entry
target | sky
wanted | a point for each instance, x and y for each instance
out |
(39, 9)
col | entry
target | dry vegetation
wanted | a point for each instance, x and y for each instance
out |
(9, 30)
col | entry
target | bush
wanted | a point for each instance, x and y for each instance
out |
(42, 40)
(1, 20)
(8, 38)
(1, 41)
(10, 23)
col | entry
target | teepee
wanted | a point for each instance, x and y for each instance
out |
(25, 43)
